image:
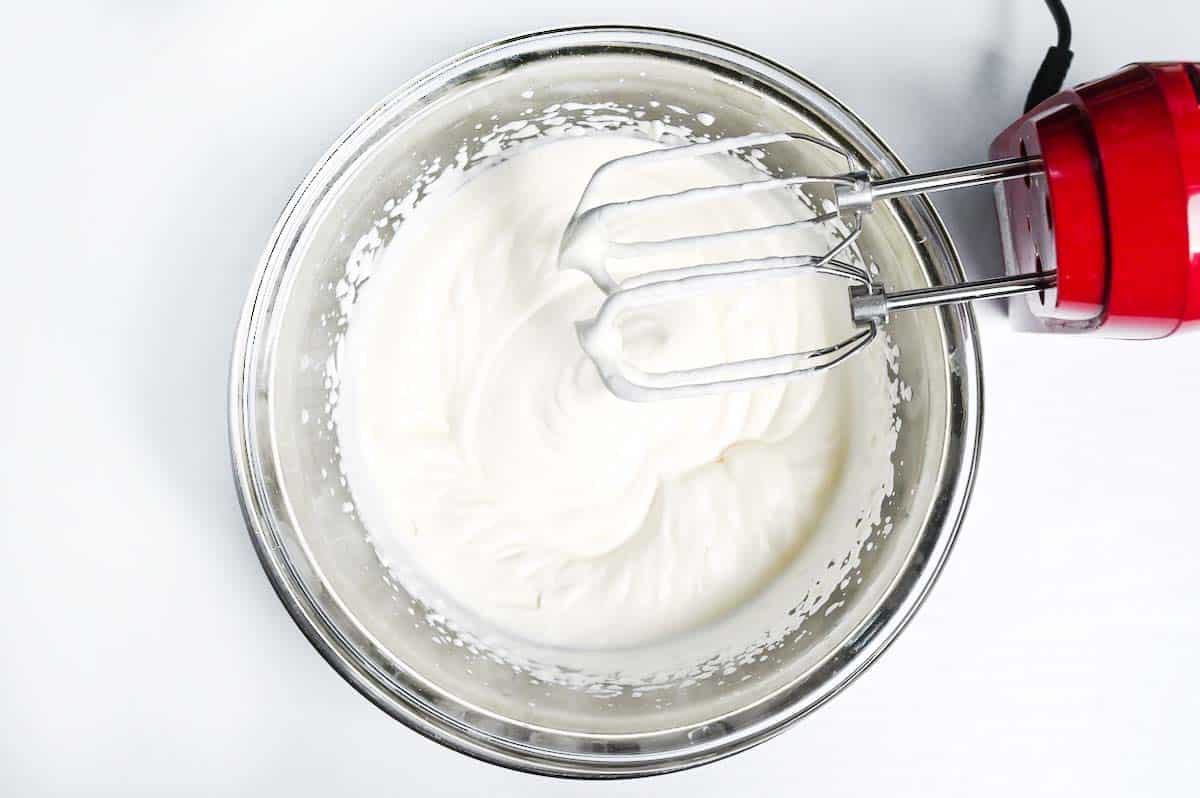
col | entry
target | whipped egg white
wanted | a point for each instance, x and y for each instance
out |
(494, 470)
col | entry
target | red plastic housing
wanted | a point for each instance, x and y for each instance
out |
(1117, 210)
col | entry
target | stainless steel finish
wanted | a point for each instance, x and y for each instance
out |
(855, 193)
(316, 554)
(874, 306)
(979, 174)
(595, 221)
(635, 385)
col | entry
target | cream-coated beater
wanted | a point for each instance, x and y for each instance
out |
(589, 245)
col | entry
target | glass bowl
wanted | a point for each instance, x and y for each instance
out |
(495, 702)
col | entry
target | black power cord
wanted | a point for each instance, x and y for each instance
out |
(1053, 71)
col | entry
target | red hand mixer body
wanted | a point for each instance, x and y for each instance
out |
(1116, 209)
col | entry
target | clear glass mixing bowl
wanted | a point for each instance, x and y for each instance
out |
(406, 658)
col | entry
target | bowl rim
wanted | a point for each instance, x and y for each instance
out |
(869, 639)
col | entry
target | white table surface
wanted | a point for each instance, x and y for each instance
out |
(149, 147)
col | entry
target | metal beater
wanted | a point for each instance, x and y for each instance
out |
(587, 246)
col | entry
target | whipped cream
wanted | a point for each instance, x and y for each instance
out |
(497, 475)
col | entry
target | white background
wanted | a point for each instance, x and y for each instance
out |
(148, 147)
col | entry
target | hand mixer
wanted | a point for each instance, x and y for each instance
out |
(1098, 193)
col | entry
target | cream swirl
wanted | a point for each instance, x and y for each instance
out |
(493, 469)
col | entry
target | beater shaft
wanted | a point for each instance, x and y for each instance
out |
(863, 192)
(869, 304)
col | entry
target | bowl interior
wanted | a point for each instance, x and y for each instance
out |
(667, 705)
